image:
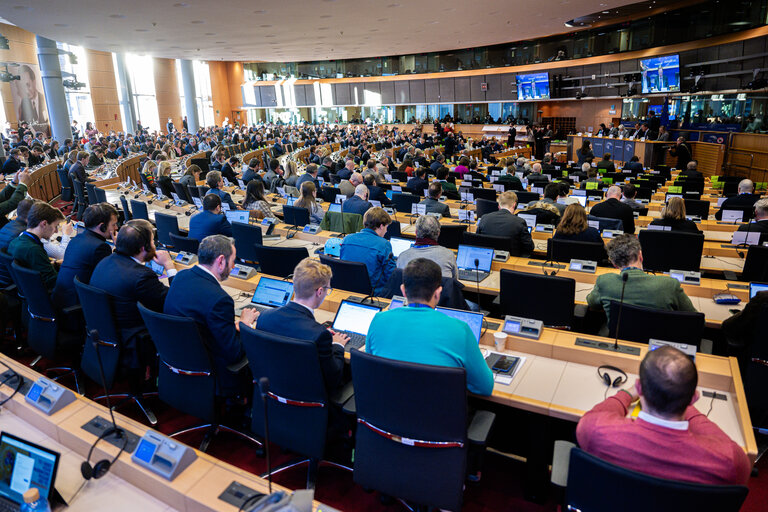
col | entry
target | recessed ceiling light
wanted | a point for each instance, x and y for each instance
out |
(265, 26)
(90, 37)
(210, 33)
(181, 4)
(260, 11)
(606, 12)
(390, 6)
(22, 8)
(197, 22)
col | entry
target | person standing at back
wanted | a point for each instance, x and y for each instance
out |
(370, 247)
(505, 223)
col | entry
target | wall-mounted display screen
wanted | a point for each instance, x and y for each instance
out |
(661, 74)
(533, 87)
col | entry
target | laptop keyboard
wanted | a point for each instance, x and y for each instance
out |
(356, 341)
(260, 309)
(9, 506)
(472, 275)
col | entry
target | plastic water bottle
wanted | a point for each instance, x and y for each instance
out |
(33, 502)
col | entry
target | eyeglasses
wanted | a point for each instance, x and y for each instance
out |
(328, 289)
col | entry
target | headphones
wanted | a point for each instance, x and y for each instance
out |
(101, 468)
(603, 370)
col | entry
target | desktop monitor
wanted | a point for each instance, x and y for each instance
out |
(533, 87)
(354, 317)
(272, 292)
(755, 288)
(240, 216)
(399, 245)
(473, 319)
(468, 254)
(26, 465)
(661, 74)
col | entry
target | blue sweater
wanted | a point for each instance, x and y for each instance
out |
(376, 252)
(425, 336)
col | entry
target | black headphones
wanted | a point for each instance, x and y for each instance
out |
(603, 370)
(101, 468)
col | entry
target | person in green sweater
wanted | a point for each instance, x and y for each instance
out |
(419, 334)
(42, 222)
(641, 289)
(12, 194)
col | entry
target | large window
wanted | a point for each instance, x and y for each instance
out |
(203, 98)
(79, 101)
(142, 77)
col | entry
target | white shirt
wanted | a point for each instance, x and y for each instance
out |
(674, 425)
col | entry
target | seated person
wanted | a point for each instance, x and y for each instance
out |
(591, 178)
(309, 176)
(256, 200)
(14, 228)
(633, 165)
(215, 182)
(535, 177)
(358, 203)
(463, 167)
(759, 225)
(97, 157)
(641, 289)
(510, 179)
(347, 187)
(673, 215)
(228, 170)
(191, 176)
(77, 170)
(745, 199)
(419, 334)
(210, 221)
(574, 226)
(196, 293)
(551, 195)
(375, 192)
(370, 247)
(613, 208)
(449, 189)
(628, 193)
(164, 180)
(308, 201)
(311, 284)
(42, 222)
(670, 438)
(426, 246)
(505, 223)
(252, 171)
(606, 164)
(433, 204)
(583, 173)
(691, 170)
(418, 184)
(85, 251)
(740, 329)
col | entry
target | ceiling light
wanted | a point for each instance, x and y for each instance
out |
(181, 4)
(140, 30)
(60, 25)
(117, 16)
(260, 11)
(90, 37)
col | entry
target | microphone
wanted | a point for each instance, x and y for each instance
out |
(477, 280)
(95, 337)
(264, 390)
(624, 277)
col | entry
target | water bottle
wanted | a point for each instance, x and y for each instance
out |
(33, 502)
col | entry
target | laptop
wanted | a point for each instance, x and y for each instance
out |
(240, 216)
(354, 319)
(465, 261)
(25, 465)
(334, 207)
(270, 293)
(582, 200)
(472, 318)
(755, 288)
(399, 245)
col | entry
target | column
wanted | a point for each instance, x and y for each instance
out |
(190, 96)
(126, 94)
(55, 98)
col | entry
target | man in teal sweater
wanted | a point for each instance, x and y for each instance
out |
(641, 289)
(419, 334)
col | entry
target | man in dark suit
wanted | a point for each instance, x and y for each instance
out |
(547, 167)
(77, 170)
(606, 164)
(691, 170)
(375, 193)
(312, 171)
(228, 170)
(311, 284)
(196, 293)
(745, 199)
(210, 221)
(84, 252)
(252, 172)
(13, 163)
(432, 201)
(277, 149)
(346, 172)
(418, 184)
(13, 194)
(505, 223)
(613, 208)
(759, 225)
(14, 228)
(215, 182)
(324, 171)
(633, 165)
(358, 203)
(683, 153)
(42, 222)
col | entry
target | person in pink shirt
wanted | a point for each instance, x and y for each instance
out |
(670, 438)
(463, 167)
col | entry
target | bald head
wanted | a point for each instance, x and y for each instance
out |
(746, 187)
(668, 380)
(613, 191)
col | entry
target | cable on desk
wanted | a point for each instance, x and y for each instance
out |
(711, 403)
(18, 383)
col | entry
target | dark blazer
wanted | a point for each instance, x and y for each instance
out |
(166, 185)
(692, 173)
(633, 166)
(356, 205)
(197, 295)
(417, 185)
(377, 194)
(229, 173)
(503, 223)
(250, 174)
(10, 231)
(307, 177)
(435, 206)
(588, 235)
(760, 226)
(11, 166)
(324, 172)
(683, 154)
(614, 209)
(77, 171)
(225, 197)
(83, 253)
(303, 326)
(607, 165)
(737, 202)
(677, 224)
(30, 253)
(207, 223)
(739, 329)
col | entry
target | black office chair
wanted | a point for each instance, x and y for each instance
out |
(350, 276)
(182, 192)
(665, 250)
(399, 176)
(730, 188)
(202, 190)
(126, 210)
(246, 236)
(101, 195)
(643, 193)
(500, 243)
(488, 194)
(754, 371)
(544, 216)
(697, 208)
(295, 216)
(193, 192)
(526, 197)
(51, 334)
(393, 229)
(139, 209)
(100, 326)
(543, 297)
(403, 202)
(166, 226)
(66, 185)
(10, 298)
(483, 206)
(328, 194)
(81, 201)
(279, 261)
(398, 402)
(184, 243)
(567, 250)
(451, 235)
(90, 189)
(451, 296)
(646, 492)
(607, 223)
(756, 264)
(298, 406)
(186, 377)
(642, 324)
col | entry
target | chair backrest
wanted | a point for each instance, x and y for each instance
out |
(126, 208)
(399, 175)
(202, 190)
(411, 401)
(295, 215)
(66, 185)
(730, 188)
(99, 316)
(350, 276)
(246, 236)
(6, 272)
(544, 216)
(543, 297)
(643, 193)
(279, 261)
(393, 229)
(91, 189)
(488, 194)
(181, 191)
(403, 202)
(608, 223)
(647, 492)
(101, 195)
(450, 235)
(756, 264)
(483, 206)
(642, 324)
(183, 243)
(664, 250)
(527, 197)
(328, 194)
(500, 243)
(79, 190)
(166, 225)
(139, 209)
(697, 207)
(186, 376)
(193, 191)
(567, 250)
(297, 403)
(43, 327)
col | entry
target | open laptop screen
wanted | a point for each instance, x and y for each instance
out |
(272, 292)
(354, 317)
(473, 319)
(469, 253)
(238, 216)
(399, 245)
(755, 288)
(25, 465)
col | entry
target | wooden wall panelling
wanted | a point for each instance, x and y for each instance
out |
(103, 85)
(167, 91)
(221, 95)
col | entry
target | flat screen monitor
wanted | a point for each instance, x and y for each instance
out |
(661, 74)
(755, 288)
(469, 253)
(533, 87)
(26, 465)
(473, 319)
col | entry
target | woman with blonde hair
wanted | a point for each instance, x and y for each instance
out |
(673, 215)
(164, 180)
(291, 174)
(574, 226)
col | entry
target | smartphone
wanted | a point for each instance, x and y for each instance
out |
(271, 228)
(505, 364)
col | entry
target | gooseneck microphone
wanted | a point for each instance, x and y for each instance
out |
(624, 277)
(95, 337)
(477, 280)
(264, 391)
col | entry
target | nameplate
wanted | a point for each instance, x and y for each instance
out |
(545, 264)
